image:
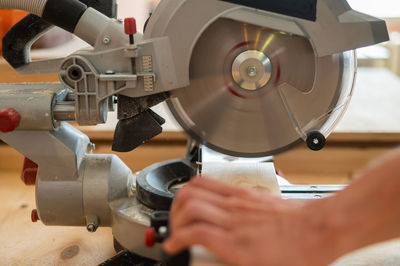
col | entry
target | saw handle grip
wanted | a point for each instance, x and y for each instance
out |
(18, 41)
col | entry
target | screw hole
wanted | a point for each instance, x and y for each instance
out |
(75, 73)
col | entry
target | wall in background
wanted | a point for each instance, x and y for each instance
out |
(382, 8)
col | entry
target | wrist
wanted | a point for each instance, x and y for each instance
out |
(329, 231)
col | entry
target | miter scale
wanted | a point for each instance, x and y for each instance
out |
(244, 80)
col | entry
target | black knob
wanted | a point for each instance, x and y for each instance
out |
(316, 141)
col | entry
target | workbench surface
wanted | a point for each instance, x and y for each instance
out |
(27, 243)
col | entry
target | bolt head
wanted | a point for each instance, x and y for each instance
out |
(91, 228)
(91, 147)
(252, 71)
(106, 40)
(163, 230)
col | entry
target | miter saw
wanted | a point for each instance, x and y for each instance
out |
(245, 79)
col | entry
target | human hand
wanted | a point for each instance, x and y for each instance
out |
(247, 227)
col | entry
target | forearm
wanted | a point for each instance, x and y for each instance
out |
(367, 212)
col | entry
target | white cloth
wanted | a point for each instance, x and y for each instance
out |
(261, 176)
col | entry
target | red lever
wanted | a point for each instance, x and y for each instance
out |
(150, 237)
(130, 26)
(9, 120)
(29, 172)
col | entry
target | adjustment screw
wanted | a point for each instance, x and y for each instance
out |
(106, 40)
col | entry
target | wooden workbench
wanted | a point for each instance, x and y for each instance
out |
(27, 243)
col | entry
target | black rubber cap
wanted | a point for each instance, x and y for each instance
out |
(316, 141)
(64, 13)
(305, 9)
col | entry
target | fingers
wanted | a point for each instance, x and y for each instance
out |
(225, 190)
(219, 188)
(219, 194)
(216, 240)
(191, 192)
(196, 211)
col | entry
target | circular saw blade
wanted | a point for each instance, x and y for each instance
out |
(218, 112)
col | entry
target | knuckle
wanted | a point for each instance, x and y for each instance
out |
(201, 232)
(192, 204)
(183, 194)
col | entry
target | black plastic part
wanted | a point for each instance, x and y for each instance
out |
(75, 73)
(18, 41)
(316, 141)
(117, 246)
(154, 182)
(305, 9)
(125, 258)
(107, 7)
(132, 132)
(129, 107)
(181, 259)
(147, 22)
(159, 219)
(64, 13)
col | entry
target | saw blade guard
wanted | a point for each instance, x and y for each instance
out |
(259, 83)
